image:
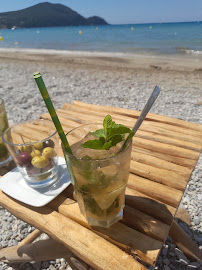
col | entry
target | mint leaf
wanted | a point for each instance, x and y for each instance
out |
(109, 136)
(93, 144)
(116, 139)
(91, 205)
(118, 131)
(107, 123)
(99, 133)
(114, 125)
(106, 146)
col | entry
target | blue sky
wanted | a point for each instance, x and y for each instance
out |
(124, 11)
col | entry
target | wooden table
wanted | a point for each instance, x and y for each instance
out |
(164, 154)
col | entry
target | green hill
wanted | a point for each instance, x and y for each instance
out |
(46, 15)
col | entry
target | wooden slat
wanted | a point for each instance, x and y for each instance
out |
(162, 176)
(149, 206)
(165, 139)
(159, 163)
(172, 134)
(171, 127)
(150, 126)
(165, 148)
(157, 146)
(41, 250)
(148, 144)
(102, 255)
(98, 117)
(189, 163)
(184, 242)
(150, 116)
(119, 234)
(145, 224)
(155, 190)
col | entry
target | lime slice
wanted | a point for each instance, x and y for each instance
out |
(105, 200)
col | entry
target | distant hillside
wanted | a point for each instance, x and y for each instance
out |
(46, 15)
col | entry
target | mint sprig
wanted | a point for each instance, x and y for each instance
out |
(108, 136)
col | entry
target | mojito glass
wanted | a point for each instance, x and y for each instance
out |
(4, 154)
(99, 177)
(34, 147)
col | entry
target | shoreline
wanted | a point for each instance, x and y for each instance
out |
(107, 59)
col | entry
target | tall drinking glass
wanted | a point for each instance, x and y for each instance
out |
(4, 154)
(99, 177)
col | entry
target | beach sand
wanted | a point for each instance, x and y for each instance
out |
(107, 79)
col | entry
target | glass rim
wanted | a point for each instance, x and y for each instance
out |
(95, 159)
(31, 143)
(1, 101)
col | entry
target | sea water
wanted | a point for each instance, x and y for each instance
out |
(159, 38)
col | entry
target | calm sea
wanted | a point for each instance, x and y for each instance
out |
(165, 38)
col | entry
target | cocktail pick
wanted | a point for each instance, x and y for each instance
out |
(51, 109)
(142, 116)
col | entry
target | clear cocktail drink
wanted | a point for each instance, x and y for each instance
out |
(99, 177)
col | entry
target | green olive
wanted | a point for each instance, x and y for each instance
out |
(35, 153)
(40, 162)
(49, 152)
(25, 148)
(38, 146)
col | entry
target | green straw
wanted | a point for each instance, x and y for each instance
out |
(51, 109)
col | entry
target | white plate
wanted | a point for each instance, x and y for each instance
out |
(15, 186)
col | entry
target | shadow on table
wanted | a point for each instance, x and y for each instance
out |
(145, 215)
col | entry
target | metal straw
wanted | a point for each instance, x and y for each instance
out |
(142, 116)
(51, 109)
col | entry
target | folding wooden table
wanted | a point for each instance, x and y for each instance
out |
(164, 154)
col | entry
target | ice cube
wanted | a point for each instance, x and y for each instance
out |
(110, 171)
(105, 200)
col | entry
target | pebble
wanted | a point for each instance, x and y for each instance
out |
(166, 267)
(196, 220)
(45, 264)
(36, 265)
(199, 197)
(183, 262)
(181, 256)
(51, 267)
(165, 251)
(15, 243)
(189, 266)
(166, 261)
(62, 267)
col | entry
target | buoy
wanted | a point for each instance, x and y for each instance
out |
(80, 33)
(97, 28)
(132, 28)
(1, 38)
(37, 32)
(150, 27)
